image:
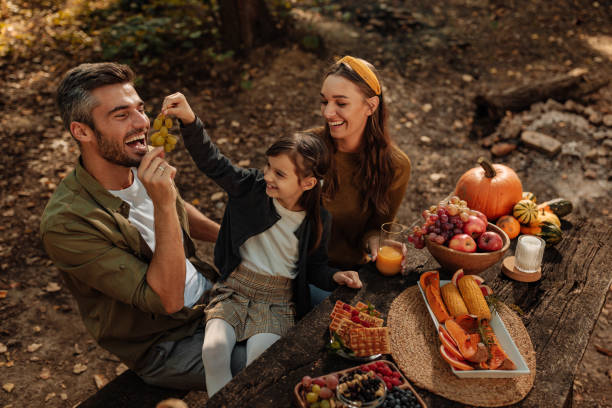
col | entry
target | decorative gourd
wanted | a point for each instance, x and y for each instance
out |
(546, 216)
(527, 195)
(509, 225)
(559, 206)
(525, 212)
(492, 189)
(550, 233)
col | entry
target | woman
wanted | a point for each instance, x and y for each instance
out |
(369, 173)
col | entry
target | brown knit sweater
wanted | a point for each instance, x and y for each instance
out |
(352, 225)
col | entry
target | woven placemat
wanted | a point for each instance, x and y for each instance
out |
(414, 347)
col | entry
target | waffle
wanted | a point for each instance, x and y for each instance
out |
(370, 341)
(371, 320)
(341, 308)
(362, 306)
(340, 314)
(342, 327)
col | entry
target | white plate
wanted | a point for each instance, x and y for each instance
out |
(505, 341)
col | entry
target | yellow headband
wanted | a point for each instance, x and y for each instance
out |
(363, 71)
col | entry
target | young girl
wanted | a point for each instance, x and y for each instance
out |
(271, 245)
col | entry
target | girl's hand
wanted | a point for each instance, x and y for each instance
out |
(373, 246)
(176, 105)
(348, 278)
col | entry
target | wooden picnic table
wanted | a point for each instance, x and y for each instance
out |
(560, 311)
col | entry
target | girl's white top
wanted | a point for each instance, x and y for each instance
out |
(275, 251)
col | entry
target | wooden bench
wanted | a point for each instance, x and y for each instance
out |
(128, 390)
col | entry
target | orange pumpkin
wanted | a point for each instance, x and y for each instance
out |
(509, 225)
(492, 189)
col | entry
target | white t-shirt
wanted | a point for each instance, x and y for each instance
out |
(275, 251)
(142, 217)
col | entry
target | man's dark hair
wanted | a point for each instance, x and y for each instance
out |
(74, 96)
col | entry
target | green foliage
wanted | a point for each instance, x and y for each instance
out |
(311, 42)
(159, 35)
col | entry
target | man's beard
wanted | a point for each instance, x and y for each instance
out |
(113, 152)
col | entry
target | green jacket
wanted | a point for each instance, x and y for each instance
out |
(104, 261)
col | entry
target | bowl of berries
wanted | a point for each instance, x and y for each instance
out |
(459, 237)
(361, 389)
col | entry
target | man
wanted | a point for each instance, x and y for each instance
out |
(121, 236)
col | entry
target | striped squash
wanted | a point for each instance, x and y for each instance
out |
(527, 195)
(526, 212)
(550, 233)
(544, 216)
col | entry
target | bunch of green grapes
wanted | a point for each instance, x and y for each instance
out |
(162, 138)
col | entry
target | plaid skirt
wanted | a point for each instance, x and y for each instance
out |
(253, 303)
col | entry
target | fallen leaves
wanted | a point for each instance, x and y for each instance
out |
(3, 348)
(8, 387)
(120, 369)
(33, 347)
(52, 287)
(45, 373)
(100, 380)
(217, 196)
(79, 368)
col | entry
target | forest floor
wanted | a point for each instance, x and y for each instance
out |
(433, 60)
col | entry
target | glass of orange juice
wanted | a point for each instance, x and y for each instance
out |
(391, 248)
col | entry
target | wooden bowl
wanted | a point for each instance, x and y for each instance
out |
(471, 263)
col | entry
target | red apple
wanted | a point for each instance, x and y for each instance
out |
(480, 215)
(307, 381)
(474, 226)
(490, 241)
(463, 243)
(319, 381)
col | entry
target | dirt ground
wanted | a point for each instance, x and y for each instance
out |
(433, 59)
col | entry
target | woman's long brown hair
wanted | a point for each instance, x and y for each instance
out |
(377, 170)
(311, 159)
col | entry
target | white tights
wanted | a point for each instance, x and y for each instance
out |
(219, 341)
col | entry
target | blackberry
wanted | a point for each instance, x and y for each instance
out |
(362, 387)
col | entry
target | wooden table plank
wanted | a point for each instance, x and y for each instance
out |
(560, 312)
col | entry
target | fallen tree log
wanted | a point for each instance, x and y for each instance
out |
(572, 85)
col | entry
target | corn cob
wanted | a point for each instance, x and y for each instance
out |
(453, 300)
(473, 298)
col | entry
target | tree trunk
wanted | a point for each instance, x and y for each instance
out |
(245, 22)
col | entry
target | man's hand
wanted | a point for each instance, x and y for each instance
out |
(176, 105)
(348, 278)
(157, 175)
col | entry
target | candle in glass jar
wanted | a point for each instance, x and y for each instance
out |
(529, 252)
